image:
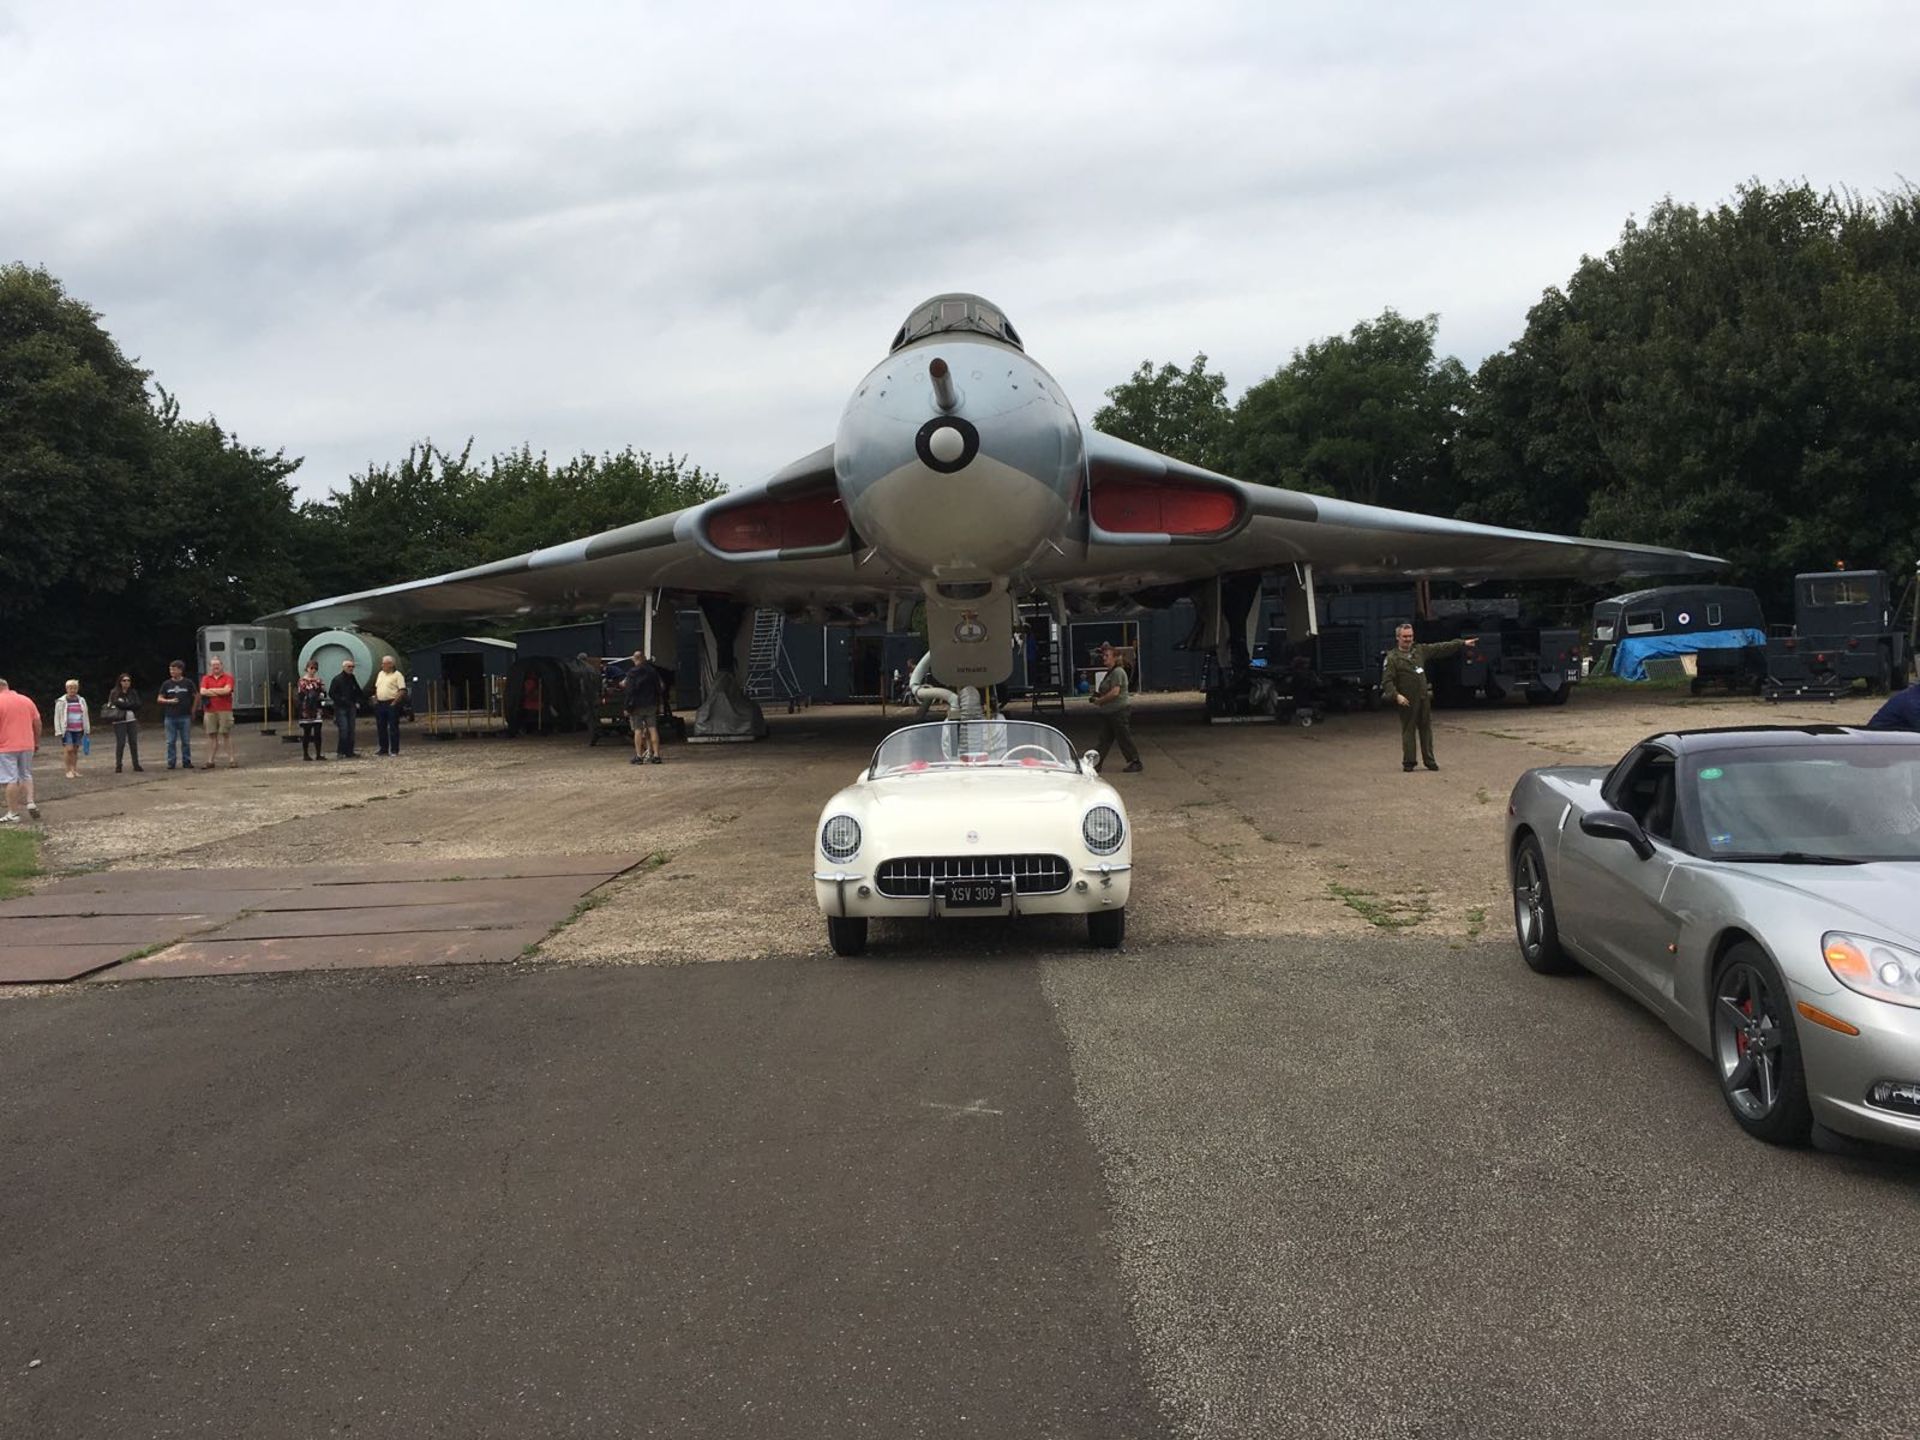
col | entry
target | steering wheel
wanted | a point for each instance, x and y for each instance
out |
(1037, 749)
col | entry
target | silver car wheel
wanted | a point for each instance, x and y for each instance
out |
(1747, 1039)
(1529, 910)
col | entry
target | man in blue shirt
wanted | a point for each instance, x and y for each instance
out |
(1902, 712)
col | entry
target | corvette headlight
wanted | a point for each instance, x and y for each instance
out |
(840, 838)
(1873, 967)
(1103, 830)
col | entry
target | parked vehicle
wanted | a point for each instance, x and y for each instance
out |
(1696, 620)
(968, 818)
(1844, 633)
(1515, 655)
(1754, 888)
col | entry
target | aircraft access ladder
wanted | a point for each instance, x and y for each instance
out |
(770, 674)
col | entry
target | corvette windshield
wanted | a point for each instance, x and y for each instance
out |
(1810, 804)
(973, 745)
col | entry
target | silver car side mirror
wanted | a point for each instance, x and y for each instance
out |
(1617, 825)
(1090, 762)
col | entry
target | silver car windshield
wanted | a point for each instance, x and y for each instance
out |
(973, 744)
(1814, 802)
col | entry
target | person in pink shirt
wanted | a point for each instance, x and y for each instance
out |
(19, 738)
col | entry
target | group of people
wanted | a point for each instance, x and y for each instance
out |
(179, 699)
(73, 716)
(314, 699)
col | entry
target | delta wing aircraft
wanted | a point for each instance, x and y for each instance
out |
(961, 477)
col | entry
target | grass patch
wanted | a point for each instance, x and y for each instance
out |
(1613, 684)
(1482, 796)
(1385, 912)
(1476, 921)
(19, 861)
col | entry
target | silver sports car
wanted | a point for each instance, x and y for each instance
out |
(1759, 890)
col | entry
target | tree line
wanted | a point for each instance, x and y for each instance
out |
(125, 526)
(1742, 380)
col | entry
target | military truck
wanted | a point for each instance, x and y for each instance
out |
(1512, 654)
(1844, 633)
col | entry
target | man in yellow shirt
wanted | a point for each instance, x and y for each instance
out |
(389, 689)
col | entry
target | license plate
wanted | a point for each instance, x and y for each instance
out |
(973, 894)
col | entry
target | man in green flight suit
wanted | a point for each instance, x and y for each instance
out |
(1403, 680)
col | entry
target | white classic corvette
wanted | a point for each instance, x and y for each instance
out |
(969, 818)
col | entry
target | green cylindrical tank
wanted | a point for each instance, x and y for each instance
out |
(330, 647)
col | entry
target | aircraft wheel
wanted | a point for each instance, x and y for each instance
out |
(847, 934)
(1107, 928)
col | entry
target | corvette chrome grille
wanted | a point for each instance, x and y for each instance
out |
(1026, 874)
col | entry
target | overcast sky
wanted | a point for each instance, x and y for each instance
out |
(692, 227)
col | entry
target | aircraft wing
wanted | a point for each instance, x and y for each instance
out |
(1153, 520)
(1149, 521)
(782, 541)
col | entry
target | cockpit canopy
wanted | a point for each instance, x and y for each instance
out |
(957, 313)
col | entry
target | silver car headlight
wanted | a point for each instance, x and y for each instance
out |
(1873, 967)
(840, 838)
(1103, 829)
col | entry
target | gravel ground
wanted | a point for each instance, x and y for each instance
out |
(1241, 831)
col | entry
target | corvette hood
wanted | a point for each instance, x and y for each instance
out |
(1881, 898)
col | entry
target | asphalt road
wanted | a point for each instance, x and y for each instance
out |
(1346, 1186)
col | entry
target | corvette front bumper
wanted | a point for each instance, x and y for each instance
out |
(1843, 1070)
(1103, 885)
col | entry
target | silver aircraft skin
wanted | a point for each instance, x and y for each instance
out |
(1758, 889)
(960, 475)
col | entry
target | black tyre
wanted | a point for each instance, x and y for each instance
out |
(847, 934)
(1107, 928)
(1756, 1049)
(1533, 922)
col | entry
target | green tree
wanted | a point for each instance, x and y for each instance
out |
(76, 444)
(437, 511)
(1743, 380)
(1370, 416)
(1182, 413)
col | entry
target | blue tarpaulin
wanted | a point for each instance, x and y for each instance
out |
(1630, 656)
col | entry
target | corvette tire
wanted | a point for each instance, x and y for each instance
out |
(1533, 920)
(847, 934)
(1756, 1049)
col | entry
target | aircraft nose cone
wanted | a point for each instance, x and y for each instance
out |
(947, 443)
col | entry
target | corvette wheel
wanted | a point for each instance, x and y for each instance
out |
(1757, 1050)
(847, 934)
(1533, 922)
(1107, 928)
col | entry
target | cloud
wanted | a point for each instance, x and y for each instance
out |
(692, 229)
